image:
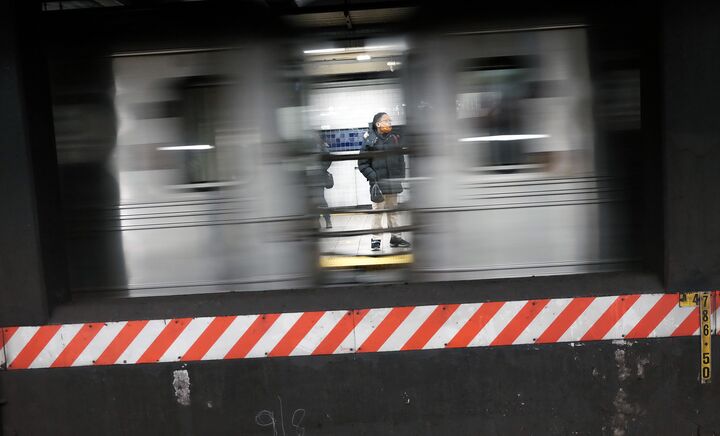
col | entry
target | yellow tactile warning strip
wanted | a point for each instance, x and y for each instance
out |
(364, 261)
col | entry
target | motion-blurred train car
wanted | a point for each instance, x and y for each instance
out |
(198, 149)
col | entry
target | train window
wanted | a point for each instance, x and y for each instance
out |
(201, 119)
(527, 112)
(489, 113)
(176, 126)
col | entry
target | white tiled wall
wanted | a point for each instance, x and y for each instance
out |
(352, 107)
(351, 188)
(346, 108)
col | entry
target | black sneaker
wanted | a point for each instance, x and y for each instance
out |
(375, 245)
(397, 241)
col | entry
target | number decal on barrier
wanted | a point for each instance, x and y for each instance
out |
(705, 338)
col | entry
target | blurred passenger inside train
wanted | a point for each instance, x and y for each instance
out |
(320, 179)
(385, 174)
(503, 118)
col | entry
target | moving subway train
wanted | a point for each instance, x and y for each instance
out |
(201, 164)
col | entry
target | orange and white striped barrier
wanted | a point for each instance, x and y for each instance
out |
(348, 331)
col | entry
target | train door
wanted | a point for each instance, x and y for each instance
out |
(349, 82)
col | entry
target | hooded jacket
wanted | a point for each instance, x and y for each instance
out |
(386, 170)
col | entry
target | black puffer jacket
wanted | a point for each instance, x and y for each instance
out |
(385, 170)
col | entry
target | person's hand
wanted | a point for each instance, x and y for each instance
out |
(376, 195)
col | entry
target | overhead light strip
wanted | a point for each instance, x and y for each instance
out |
(187, 147)
(502, 138)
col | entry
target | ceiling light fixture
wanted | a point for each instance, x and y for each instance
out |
(325, 51)
(319, 51)
(502, 138)
(187, 147)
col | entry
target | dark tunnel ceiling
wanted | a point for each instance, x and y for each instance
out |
(281, 6)
(346, 14)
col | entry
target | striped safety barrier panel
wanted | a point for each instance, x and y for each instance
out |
(348, 331)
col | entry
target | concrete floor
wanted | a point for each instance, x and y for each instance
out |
(360, 245)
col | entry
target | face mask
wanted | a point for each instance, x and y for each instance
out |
(385, 129)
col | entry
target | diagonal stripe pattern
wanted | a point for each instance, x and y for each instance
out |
(498, 323)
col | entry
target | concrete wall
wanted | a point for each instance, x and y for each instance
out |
(644, 387)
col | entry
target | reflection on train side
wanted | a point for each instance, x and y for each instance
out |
(197, 171)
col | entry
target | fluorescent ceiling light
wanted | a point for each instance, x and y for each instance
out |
(355, 49)
(364, 57)
(502, 138)
(187, 147)
(325, 51)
